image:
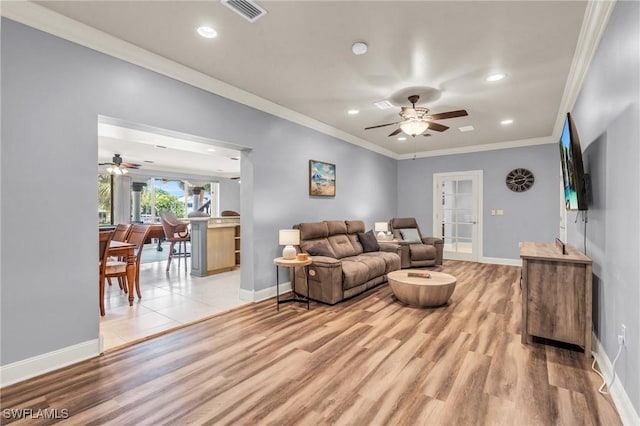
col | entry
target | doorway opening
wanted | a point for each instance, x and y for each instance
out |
(170, 171)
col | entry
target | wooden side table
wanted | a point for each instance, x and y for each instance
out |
(292, 264)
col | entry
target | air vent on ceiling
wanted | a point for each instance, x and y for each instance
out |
(249, 10)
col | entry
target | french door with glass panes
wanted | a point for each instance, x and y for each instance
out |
(457, 213)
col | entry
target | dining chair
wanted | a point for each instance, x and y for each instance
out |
(104, 237)
(175, 232)
(137, 235)
(120, 234)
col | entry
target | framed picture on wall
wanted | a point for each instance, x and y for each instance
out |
(322, 179)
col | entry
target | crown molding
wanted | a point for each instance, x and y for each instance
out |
(479, 148)
(594, 24)
(595, 21)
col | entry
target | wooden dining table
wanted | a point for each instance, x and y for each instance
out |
(126, 251)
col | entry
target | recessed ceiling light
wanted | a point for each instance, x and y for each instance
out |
(210, 149)
(383, 104)
(402, 138)
(235, 158)
(496, 77)
(353, 112)
(359, 48)
(148, 161)
(161, 146)
(207, 32)
(505, 122)
(466, 128)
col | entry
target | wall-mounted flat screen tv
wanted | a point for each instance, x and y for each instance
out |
(575, 193)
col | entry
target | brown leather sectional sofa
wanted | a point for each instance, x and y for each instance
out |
(341, 267)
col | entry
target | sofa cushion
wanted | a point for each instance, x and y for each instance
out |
(375, 264)
(410, 235)
(369, 241)
(310, 231)
(342, 246)
(355, 226)
(355, 242)
(353, 274)
(320, 249)
(422, 252)
(391, 260)
(336, 227)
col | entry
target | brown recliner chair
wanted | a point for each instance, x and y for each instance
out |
(417, 251)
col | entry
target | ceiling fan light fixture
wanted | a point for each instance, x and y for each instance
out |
(414, 127)
(117, 170)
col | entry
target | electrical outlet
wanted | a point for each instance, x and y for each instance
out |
(622, 338)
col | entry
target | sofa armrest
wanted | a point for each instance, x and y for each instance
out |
(432, 240)
(325, 280)
(325, 262)
(438, 243)
(391, 247)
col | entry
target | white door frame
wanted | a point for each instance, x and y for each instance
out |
(476, 178)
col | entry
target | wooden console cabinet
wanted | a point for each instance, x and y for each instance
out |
(556, 294)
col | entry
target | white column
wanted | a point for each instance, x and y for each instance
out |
(122, 199)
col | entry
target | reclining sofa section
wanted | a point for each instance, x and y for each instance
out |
(341, 267)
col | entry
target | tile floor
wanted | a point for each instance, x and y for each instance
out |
(169, 300)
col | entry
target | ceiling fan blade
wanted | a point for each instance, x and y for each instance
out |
(382, 125)
(131, 165)
(105, 164)
(395, 132)
(450, 114)
(437, 127)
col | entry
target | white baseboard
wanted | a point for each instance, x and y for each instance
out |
(37, 365)
(267, 293)
(625, 408)
(501, 261)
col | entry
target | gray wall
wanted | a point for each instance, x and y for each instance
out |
(607, 116)
(52, 94)
(528, 216)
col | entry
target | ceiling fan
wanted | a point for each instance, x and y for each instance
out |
(415, 120)
(117, 167)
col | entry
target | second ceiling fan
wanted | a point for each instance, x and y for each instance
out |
(117, 167)
(415, 120)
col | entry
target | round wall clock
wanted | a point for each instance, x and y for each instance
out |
(519, 180)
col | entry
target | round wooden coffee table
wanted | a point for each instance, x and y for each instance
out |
(422, 292)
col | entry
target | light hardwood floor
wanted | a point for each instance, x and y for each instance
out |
(368, 361)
